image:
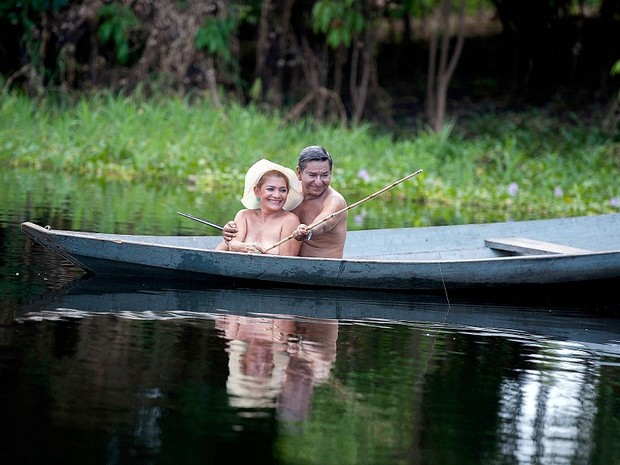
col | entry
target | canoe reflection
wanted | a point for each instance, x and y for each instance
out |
(596, 322)
(276, 362)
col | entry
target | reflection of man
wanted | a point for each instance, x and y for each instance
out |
(276, 362)
(312, 355)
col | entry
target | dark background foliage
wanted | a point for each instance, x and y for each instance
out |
(346, 61)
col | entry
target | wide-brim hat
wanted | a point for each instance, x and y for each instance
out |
(256, 171)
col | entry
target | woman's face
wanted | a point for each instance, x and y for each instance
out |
(272, 192)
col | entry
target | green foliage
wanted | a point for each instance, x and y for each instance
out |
(16, 10)
(419, 8)
(24, 14)
(247, 12)
(116, 22)
(339, 20)
(214, 36)
(422, 8)
(518, 166)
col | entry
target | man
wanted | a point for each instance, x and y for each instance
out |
(314, 171)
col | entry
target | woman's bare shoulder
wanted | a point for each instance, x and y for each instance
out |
(292, 218)
(242, 214)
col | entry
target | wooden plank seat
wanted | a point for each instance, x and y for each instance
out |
(525, 246)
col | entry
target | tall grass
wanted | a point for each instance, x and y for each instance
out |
(520, 164)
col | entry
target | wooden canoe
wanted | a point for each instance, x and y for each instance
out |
(536, 252)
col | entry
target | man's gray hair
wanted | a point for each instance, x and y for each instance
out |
(313, 153)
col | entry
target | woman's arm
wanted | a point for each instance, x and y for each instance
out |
(222, 246)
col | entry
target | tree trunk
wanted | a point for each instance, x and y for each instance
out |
(359, 91)
(364, 63)
(271, 48)
(440, 74)
(432, 65)
(212, 82)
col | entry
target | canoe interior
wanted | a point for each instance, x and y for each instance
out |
(461, 242)
(441, 242)
(595, 233)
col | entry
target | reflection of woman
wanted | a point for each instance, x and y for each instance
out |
(277, 362)
(271, 191)
(257, 358)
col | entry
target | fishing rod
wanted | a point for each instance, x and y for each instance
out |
(192, 217)
(359, 202)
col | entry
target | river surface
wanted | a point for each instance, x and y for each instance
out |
(95, 370)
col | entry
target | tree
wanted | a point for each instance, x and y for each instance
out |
(350, 29)
(215, 37)
(339, 22)
(273, 45)
(32, 19)
(443, 57)
(326, 58)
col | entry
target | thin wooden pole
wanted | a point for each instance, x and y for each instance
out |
(191, 217)
(359, 202)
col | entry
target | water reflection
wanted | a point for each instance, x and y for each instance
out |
(133, 370)
(549, 413)
(276, 362)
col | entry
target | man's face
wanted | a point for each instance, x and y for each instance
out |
(315, 177)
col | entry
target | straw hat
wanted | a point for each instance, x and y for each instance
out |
(256, 171)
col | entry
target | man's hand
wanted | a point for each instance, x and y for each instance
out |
(230, 231)
(302, 233)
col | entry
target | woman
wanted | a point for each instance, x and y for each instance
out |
(321, 200)
(271, 191)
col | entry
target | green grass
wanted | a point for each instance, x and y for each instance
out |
(560, 168)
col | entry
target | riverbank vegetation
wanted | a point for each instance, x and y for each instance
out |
(525, 164)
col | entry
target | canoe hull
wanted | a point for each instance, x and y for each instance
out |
(382, 267)
(369, 275)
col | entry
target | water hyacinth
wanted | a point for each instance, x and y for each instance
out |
(207, 151)
(513, 188)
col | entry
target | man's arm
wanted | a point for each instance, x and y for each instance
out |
(229, 231)
(332, 204)
(335, 202)
(239, 244)
(290, 248)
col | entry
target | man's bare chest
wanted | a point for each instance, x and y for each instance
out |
(309, 213)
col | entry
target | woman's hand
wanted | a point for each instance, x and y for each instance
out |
(254, 247)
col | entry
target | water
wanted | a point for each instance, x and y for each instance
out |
(101, 371)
